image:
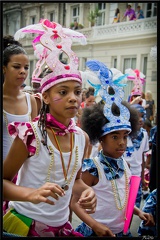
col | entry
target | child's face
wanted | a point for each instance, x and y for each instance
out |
(114, 144)
(141, 122)
(90, 101)
(64, 99)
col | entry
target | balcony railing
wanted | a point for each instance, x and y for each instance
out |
(117, 31)
(123, 29)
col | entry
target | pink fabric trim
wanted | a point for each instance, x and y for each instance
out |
(25, 132)
(52, 122)
(59, 77)
(39, 229)
(33, 31)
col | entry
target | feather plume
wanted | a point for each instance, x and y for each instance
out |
(34, 28)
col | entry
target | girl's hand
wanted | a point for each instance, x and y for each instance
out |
(47, 190)
(147, 217)
(88, 200)
(102, 230)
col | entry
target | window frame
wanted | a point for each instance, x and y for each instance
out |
(75, 17)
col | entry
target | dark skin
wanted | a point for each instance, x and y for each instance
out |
(113, 145)
(68, 94)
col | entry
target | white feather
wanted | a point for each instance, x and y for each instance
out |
(91, 76)
(130, 72)
(39, 50)
(20, 34)
(76, 36)
(116, 73)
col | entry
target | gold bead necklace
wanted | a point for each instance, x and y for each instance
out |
(117, 198)
(65, 186)
(52, 164)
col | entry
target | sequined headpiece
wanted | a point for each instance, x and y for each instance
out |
(138, 78)
(53, 40)
(107, 78)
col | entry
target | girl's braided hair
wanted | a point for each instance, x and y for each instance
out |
(43, 113)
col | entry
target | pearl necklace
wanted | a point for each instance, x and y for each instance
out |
(6, 123)
(117, 198)
(65, 186)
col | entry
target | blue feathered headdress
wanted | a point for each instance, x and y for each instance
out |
(110, 78)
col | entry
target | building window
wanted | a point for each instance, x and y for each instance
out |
(84, 60)
(151, 10)
(52, 16)
(33, 19)
(128, 63)
(31, 69)
(75, 13)
(101, 18)
(14, 26)
(114, 62)
(101, 6)
(145, 65)
(154, 76)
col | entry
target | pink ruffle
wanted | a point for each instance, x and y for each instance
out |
(25, 132)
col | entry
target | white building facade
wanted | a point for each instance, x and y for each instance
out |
(122, 45)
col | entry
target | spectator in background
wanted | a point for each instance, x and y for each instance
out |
(116, 18)
(84, 90)
(147, 125)
(75, 25)
(134, 154)
(129, 13)
(139, 13)
(143, 99)
(149, 107)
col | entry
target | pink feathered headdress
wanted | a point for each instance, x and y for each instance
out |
(138, 78)
(53, 40)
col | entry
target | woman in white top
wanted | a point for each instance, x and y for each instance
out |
(17, 105)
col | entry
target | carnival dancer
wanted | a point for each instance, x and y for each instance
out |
(110, 123)
(48, 153)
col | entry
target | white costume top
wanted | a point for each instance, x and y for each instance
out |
(106, 211)
(8, 118)
(135, 157)
(43, 167)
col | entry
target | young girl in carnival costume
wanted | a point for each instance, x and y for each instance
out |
(108, 174)
(138, 79)
(137, 147)
(48, 152)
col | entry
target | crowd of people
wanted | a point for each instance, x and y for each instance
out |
(129, 15)
(63, 153)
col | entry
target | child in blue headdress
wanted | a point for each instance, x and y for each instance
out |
(109, 122)
(135, 151)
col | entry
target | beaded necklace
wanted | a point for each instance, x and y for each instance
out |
(117, 198)
(6, 123)
(65, 186)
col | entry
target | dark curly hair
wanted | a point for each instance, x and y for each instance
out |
(11, 47)
(90, 92)
(93, 120)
